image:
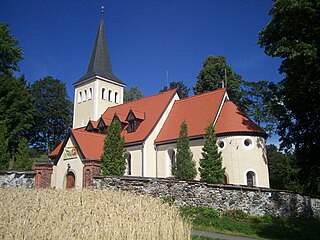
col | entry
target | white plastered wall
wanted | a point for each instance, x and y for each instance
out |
(92, 109)
(58, 179)
(149, 166)
(237, 158)
(136, 156)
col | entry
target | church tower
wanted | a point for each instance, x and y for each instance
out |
(99, 88)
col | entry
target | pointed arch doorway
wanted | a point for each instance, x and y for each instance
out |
(70, 180)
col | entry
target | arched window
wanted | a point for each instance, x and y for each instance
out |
(90, 94)
(225, 179)
(109, 95)
(85, 95)
(251, 179)
(79, 97)
(129, 164)
(172, 156)
(103, 96)
(116, 97)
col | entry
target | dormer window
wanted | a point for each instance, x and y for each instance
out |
(131, 126)
(134, 120)
(102, 126)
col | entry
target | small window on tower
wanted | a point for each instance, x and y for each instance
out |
(103, 92)
(85, 95)
(90, 94)
(116, 97)
(79, 97)
(109, 95)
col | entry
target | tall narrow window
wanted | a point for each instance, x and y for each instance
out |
(109, 95)
(90, 94)
(251, 179)
(129, 164)
(103, 93)
(172, 156)
(116, 97)
(85, 95)
(79, 97)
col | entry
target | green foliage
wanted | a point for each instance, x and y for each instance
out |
(113, 159)
(182, 90)
(16, 109)
(185, 166)
(257, 101)
(283, 172)
(53, 113)
(22, 161)
(236, 222)
(293, 35)
(4, 155)
(200, 215)
(10, 53)
(134, 93)
(215, 70)
(211, 162)
(168, 199)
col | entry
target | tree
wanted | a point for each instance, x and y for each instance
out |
(185, 166)
(215, 71)
(10, 53)
(293, 35)
(113, 159)
(4, 155)
(134, 93)
(257, 100)
(283, 171)
(22, 161)
(182, 90)
(53, 113)
(16, 108)
(211, 162)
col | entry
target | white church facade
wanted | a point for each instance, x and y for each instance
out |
(151, 127)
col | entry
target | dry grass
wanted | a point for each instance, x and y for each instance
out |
(86, 214)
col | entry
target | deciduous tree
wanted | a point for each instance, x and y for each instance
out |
(215, 71)
(293, 35)
(185, 166)
(134, 93)
(113, 159)
(182, 89)
(22, 160)
(10, 52)
(211, 162)
(53, 113)
(4, 154)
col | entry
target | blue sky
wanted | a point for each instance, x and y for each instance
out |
(146, 38)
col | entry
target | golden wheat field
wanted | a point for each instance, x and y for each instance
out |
(87, 214)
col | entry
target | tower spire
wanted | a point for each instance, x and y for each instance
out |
(100, 64)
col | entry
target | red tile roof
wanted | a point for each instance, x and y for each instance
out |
(198, 111)
(91, 144)
(56, 150)
(232, 120)
(152, 108)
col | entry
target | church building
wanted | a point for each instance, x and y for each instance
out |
(151, 128)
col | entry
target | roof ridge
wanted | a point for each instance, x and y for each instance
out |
(201, 95)
(89, 133)
(140, 99)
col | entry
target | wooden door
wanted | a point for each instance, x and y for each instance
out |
(70, 180)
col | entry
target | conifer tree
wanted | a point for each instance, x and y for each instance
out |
(211, 164)
(4, 155)
(185, 166)
(23, 162)
(113, 159)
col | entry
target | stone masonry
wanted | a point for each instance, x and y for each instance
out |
(254, 201)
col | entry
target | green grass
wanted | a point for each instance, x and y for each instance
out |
(240, 224)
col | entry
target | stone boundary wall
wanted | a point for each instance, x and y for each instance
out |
(252, 200)
(17, 179)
